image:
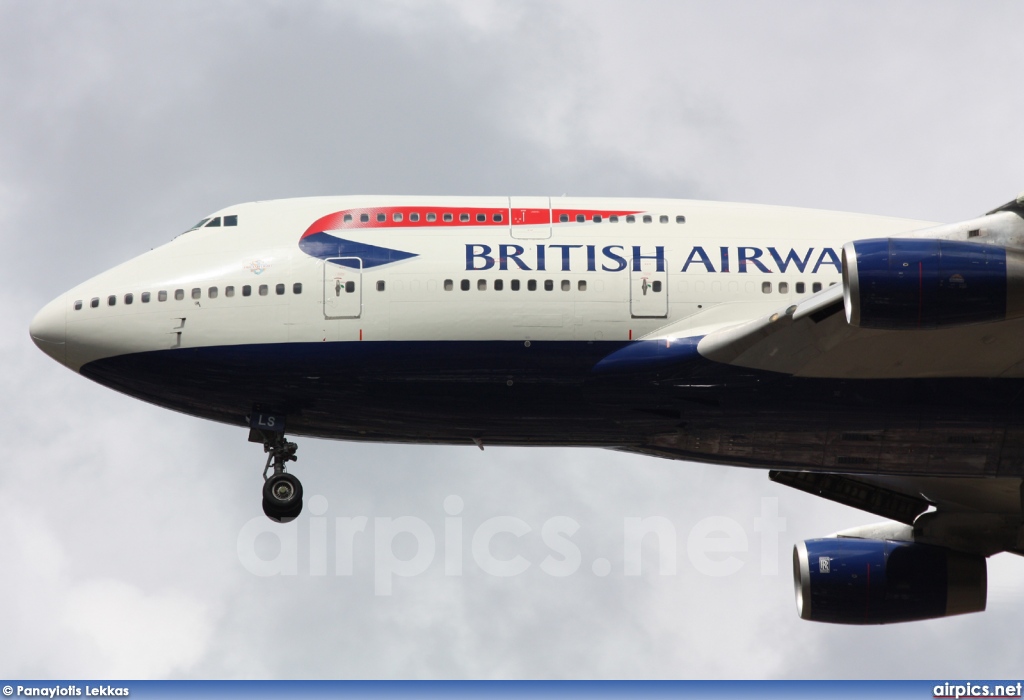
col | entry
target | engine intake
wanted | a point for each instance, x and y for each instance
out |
(856, 581)
(906, 284)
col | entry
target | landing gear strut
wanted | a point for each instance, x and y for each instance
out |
(282, 492)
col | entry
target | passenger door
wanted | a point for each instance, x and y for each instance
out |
(343, 288)
(648, 289)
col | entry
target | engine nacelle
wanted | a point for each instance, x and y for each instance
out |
(869, 582)
(911, 283)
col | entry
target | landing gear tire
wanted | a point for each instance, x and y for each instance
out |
(282, 492)
(282, 497)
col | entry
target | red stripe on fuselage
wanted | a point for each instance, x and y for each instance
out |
(419, 217)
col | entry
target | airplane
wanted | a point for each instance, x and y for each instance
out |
(872, 361)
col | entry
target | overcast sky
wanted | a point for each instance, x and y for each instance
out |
(129, 542)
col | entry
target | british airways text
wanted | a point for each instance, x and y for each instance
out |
(616, 258)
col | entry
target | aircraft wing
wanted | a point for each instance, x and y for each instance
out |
(812, 338)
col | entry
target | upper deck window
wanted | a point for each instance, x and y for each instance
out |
(397, 216)
(215, 221)
(414, 217)
(680, 219)
(381, 217)
(497, 218)
(647, 218)
(630, 218)
(481, 217)
(364, 218)
(431, 216)
(464, 216)
(347, 218)
(563, 218)
(447, 216)
(580, 218)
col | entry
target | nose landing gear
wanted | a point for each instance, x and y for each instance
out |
(282, 492)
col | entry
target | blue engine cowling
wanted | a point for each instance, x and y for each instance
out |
(869, 582)
(911, 283)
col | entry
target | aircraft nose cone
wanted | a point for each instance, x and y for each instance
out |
(49, 329)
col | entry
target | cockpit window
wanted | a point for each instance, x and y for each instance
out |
(199, 225)
(231, 220)
(214, 222)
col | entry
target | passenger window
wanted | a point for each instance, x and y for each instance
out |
(231, 220)
(279, 289)
(78, 305)
(111, 300)
(161, 295)
(364, 218)
(580, 218)
(213, 222)
(613, 219)
(481, 285)
(246, 291)
(582, 286)
(350, 287)
(499, 285)
(630, 219)
(145, 297)
(566, 285)
(597, 218)
(481, 218)
(663, 218)
(431, 216)
(297, 288)
(380, 285)
(447, 216)
(347, 218)
(229, 291)
(414, 217)
(548, 285)
(129, 298)
(264, 290)
(800, 287)
(497, 218)
(647, 218)
(563, 218)
(656, 286)
(515, 285)
(816, 287)
(766, 287)
(197, 292)
(680, 219)
(464, 216)
(448, 286)
(95, 302)
(464, 285)
(397, 216)
(179, 294)
(212, 292)
(531, 285)
(783, 287)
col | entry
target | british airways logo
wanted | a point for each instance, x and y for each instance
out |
(616, 258)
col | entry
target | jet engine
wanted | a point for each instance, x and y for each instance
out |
(912, 283)
(856, 581)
